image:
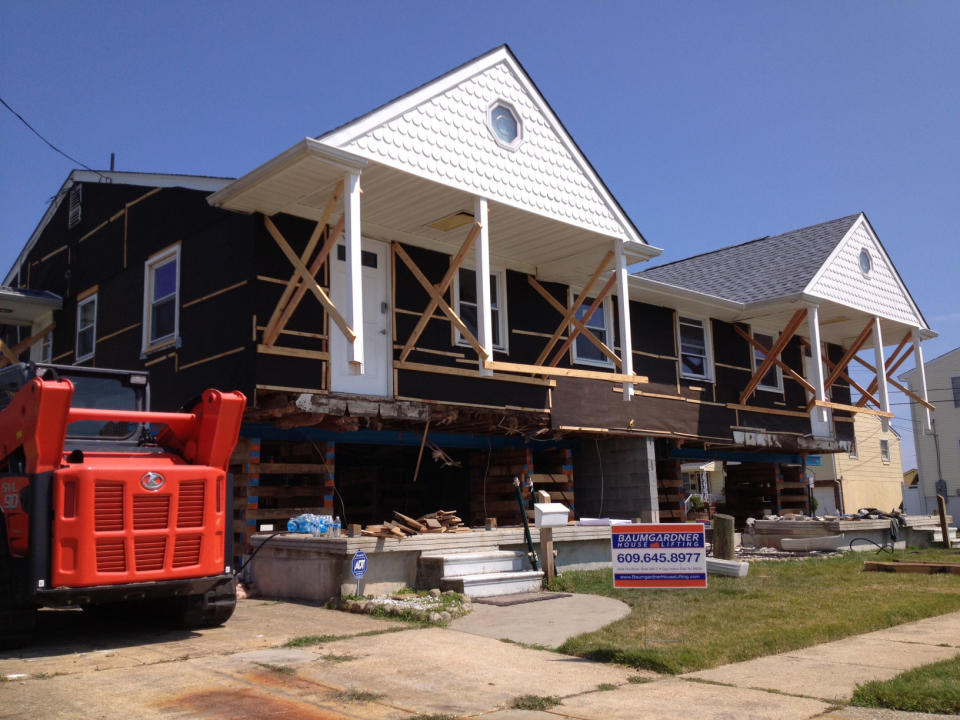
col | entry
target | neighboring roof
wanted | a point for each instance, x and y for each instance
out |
(948, 355)
(436, 131)
(193, 182)
(20, 306)
(910, 477)
(765, 269)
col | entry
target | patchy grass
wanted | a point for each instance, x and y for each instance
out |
(638, 679)
(603, 687)
(310, 640)
(432, 717)
(354, 695)
(931, 688)
(338, 658)
(535, 702)
(779, 606)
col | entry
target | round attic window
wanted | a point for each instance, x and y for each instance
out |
(866, 262)
(504, 124)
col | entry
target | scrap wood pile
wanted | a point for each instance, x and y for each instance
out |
(441, 521)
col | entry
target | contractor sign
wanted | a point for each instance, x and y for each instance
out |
(662, 555)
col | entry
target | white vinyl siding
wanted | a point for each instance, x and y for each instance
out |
(696, 348)
(601, 325)
(86, 328)
(161, 299)
(773, 380)
(465, 305)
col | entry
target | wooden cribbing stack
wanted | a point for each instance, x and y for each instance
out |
(441, 521)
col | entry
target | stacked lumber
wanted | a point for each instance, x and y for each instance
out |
(401, 526)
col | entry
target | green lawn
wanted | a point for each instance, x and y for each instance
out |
(779, 606)
(931, 688)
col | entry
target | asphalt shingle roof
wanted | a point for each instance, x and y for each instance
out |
(764, 269)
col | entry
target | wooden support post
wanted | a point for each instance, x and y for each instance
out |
(484, 313)
(623, 308)
(723, 544)
(816, 358)
(546, 554)
(423, 441)
(893, 362)
(944, 528)
(922, 374)
(883, 395)
(351, 231)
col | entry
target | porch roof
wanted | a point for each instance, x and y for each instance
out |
(19, 306)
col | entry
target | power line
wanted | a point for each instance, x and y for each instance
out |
(54, 147)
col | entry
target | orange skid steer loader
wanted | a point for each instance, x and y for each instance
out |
(106, 503)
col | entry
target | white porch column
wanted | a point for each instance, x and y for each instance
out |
(883, 395)
(351, 233)
(484, 315)
(922, 374)
(816, 357)
(623, 307)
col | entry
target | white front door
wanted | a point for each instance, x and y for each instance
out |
(377, 341)
(818, 427)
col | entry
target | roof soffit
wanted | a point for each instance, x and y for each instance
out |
(440, 132)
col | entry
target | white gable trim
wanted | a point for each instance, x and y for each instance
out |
(862, 222)
(366, 123)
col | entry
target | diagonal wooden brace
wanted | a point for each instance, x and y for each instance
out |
(9, 356)
(584, 330)
(841, 367)
(853, 383)
(440, 302)
(597, 302)
(572, 312)
(772, 356)
(277, 322)
(22, 346)
(779, 361)
(310, 282)
(441, 288)
(891, 365)
(898, 386)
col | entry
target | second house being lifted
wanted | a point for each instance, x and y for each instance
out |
(433, 298)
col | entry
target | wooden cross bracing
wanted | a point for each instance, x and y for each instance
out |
(436, 297)
(898, 386)
(11, 355)
(867, 396)
(773, 356)
(779, 362)
(891, 365)
(440, 288)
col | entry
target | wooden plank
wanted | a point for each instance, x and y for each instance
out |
(769, 411)
(211, 358)
(852, 408)
(564, 372)
(912, 567)
(293, 352)
(214, 294)
(446, 370)
(409, 521)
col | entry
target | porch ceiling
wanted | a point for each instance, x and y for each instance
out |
(25, 307)
(398, 206)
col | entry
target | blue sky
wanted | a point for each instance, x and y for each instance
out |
(713, 123)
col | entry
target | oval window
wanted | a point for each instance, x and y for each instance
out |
(866, 263)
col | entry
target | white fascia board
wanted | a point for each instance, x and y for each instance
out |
(640, 285)
(306, 148)
(192, 182)
(382, 115)
(640, 252)
(922, 323)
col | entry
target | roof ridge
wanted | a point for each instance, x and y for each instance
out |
(749, 242)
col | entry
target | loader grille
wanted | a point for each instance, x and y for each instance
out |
(108, 506)
(187, 550)
(151, 512)
(110, 555)
(190, 507)
(149, 552)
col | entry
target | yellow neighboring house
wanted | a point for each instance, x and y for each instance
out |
(871, 475)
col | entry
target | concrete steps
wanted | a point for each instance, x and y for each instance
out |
(951, 533)
(480, 574)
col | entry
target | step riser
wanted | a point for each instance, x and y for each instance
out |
(480, 588)
(457, 569)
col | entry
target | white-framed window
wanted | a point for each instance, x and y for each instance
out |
(854, 455)
(696, 348)
(601, 325)
(773, 380)
(46, 348)
(885, 451)
(86, 327)
(161, 299)
(465, 305)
